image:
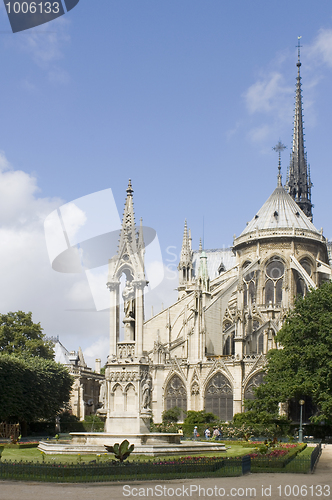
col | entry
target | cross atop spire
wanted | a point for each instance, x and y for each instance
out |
(279, 148)
(298, 51)
(298, 182)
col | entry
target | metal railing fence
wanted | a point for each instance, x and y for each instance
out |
(315, 456)
(98, 472)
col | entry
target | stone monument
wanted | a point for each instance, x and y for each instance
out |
(126, 392)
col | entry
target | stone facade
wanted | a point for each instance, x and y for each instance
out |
(85, 393)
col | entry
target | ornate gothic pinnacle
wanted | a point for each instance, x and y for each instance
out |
(129, 188)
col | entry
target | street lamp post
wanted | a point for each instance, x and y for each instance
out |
(301, 428)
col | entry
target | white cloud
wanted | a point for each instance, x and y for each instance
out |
(259, 134)
(73, 218)
(58, 75)
(27, 278)
(267, 94)
(79, 293)
(61, 302)
(272, 95)
(232, 132)
(321, 50)
(18, 202)
(99, 349)
(46, 46)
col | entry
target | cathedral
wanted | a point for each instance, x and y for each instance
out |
(207, 350)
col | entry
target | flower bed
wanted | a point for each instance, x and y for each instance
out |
(275, 458)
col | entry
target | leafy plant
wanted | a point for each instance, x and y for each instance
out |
(32, 388)
(200, 417)
(172, 415)
(121, 451)
(20, 336)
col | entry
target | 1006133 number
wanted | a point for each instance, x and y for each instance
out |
(318, 490)
(33, 8)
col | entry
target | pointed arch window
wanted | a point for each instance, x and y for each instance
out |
(176, 395)
(229, 345)
(269, 292)
(306, 264)
(301, 287)
(249, 286)
(254, 382)
(260, 344)
(274, 274)
(278, 291)
(219, 397)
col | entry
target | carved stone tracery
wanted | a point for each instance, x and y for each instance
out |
(254, 382)
(176, 394)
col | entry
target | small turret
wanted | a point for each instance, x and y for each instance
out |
(185, 266)
(203, 279)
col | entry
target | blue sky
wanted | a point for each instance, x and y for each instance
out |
(185, 98)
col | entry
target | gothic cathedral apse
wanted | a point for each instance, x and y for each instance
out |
(207, 350)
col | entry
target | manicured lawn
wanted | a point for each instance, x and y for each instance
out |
(34, 455)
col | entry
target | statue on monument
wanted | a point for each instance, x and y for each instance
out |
(146, 393)
(128, 295)
(102, 394)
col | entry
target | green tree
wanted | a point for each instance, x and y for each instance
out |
(303, 366)
(199, 417)
(32, 388)
(171, 415)
(19, 335)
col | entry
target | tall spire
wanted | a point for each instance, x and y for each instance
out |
(298, 182)
(128, 231)
(185, 266)
(185, 244)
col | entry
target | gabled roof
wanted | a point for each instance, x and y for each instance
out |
(61, 355)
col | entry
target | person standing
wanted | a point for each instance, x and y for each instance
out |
(216, 434)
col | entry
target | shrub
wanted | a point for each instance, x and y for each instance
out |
(171, 415)
(200, 417)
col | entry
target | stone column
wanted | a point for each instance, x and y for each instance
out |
(194, 335)
(139, 315)
(237, 389)
(114, 316)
